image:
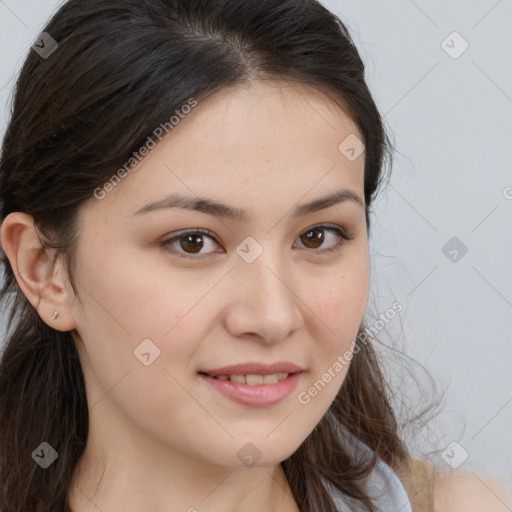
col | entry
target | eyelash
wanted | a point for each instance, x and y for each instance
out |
(342, 238)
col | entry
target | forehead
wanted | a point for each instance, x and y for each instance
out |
(268, 114)
(264, 140)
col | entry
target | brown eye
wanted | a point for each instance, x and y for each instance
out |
(313, 236)
(190, 243)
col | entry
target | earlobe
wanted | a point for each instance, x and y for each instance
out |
(41, 281)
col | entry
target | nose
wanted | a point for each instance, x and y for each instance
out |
(263, 301)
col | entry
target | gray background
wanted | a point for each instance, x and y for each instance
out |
(451, 123)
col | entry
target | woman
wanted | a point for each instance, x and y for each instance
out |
(185, 200)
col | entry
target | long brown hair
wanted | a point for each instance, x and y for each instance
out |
(121, 69)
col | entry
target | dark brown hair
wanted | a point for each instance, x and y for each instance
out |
(120, 70)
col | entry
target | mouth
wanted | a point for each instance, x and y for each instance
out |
(252, 379)
(253, 370)
(254, 384)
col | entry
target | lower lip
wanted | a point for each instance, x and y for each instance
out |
(260, 395)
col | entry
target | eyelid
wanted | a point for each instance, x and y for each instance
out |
(342, 238)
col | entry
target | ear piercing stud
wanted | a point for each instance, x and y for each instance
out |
(55, 315)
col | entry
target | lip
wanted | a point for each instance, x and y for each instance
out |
(261, 395)
(254, 368)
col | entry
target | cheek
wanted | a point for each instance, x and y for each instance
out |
(116, 333)
(341, 302)
(339, 307)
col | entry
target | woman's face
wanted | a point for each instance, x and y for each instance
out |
(159, 309)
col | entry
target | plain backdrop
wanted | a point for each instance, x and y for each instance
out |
(441, 235)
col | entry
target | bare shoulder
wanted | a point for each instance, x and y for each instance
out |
(460, 491)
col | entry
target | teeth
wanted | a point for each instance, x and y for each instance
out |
(272, 379)
(254, 380)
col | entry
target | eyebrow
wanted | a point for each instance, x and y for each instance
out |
(211, 207)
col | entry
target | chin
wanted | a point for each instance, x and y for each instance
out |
(261, 453)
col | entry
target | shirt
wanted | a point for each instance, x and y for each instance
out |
(383, 484)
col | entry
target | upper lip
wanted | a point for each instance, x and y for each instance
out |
(254, 369)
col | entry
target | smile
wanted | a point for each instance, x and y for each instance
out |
(252, 389)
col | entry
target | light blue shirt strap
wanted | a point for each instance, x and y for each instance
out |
(382, 484)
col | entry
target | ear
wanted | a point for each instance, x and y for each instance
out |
(44, 284)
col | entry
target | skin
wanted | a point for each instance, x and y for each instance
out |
(162, 438)
(461, 491)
